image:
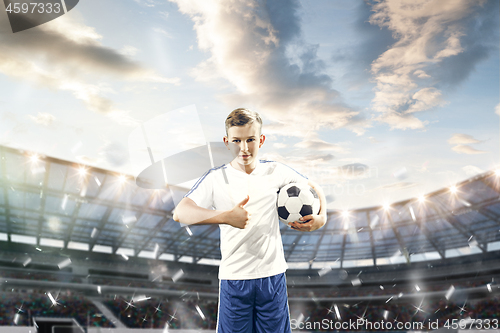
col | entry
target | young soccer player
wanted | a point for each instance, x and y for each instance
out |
(252, 293)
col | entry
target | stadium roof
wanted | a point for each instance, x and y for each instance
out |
(45, 201)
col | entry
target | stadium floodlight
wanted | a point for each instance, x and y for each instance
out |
(34, 158)
(453, 189)
(497, 172)
(386, 206)
(421, 199)
(82, 171)
(345, 213)
(122, 179)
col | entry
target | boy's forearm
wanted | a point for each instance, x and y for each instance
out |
(192, 214)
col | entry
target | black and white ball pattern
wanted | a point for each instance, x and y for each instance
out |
(296, 200)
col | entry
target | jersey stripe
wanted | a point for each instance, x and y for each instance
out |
(195, 186)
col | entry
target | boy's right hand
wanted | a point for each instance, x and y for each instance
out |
(238, 217)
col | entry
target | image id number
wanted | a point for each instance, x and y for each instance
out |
(486, 324)
(34, 7)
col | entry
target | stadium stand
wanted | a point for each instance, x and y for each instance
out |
(18, 308)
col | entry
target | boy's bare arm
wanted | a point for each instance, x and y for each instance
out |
(188, 212)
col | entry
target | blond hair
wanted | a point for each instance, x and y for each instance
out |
(241, 117)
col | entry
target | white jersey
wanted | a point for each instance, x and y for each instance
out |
(256, 251)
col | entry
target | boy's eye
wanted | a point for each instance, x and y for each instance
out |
(249, 140)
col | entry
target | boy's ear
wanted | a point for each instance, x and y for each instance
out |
(261, 140)
(226, 141)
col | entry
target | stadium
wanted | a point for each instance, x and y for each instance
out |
(84, 249)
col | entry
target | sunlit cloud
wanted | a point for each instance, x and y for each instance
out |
(471, 170)
(43, 118)
(259, 49)
(402, 121)
(460, 138)
(464, 149)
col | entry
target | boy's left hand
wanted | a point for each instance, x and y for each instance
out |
(308, 223)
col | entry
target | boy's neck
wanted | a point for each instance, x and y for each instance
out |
(248, 169)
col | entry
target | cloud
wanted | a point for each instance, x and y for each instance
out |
(421, 74)
(319, 145)
(258, 47)
(459, 138)
(43, 118)
(431, 37)
(472, 170)
(464, 149)
(66, 54)
(402, 121)
(497, 109)
(461, 142)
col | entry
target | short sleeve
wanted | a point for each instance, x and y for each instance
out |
(289, 175)
(202, 192)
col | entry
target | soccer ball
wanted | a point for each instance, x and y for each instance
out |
(296, 200)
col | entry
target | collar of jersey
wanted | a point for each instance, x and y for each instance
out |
(239, 172)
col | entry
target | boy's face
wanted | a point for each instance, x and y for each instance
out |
(249, 139)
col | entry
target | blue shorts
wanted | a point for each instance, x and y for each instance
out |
(254, 306)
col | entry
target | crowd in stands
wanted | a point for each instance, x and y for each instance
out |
(186, 313)
(201, 314)
(20, 309)
(440, 312)
(192, 312)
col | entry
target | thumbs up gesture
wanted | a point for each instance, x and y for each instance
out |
(238, 217)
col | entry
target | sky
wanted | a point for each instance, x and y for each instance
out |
(377, 101)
